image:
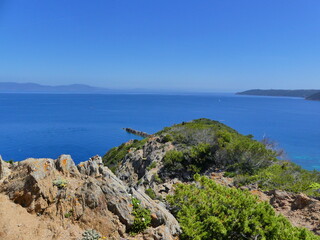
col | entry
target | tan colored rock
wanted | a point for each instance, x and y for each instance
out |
(4, 169)
(69, 199)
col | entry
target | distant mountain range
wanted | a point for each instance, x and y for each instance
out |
(309, 94)
(12, 87)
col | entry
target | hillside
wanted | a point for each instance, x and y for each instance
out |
(315, 97)
(197, 180)
(162, 162)
(280, 93)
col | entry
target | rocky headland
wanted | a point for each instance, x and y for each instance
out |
(135, 191)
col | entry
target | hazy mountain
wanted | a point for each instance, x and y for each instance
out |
(12, 87)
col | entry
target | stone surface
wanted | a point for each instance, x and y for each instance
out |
(71, 199)
(4, 169)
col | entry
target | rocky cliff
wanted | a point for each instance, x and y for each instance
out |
(144, 166)
(55, 199)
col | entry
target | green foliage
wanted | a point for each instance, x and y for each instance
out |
(207, 210)
(11, 161)
(199, 145)
(60, 183)
(68, 214)
(167, 138)
(284, 176)
(205, 143)
(115, 155)
(157, 179)
(173, 160)
(142, 217)
(151, 193)
(151, 166)
(91, 234)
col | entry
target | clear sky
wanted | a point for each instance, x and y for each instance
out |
(203, 45)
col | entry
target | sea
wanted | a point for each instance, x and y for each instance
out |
(84, 125)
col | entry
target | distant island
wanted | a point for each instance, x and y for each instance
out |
(309, 94)
(315, 96)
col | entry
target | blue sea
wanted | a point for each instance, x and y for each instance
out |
(48, 125)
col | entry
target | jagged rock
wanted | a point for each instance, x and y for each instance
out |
(301, 201)
(162, 215)
(4, 169)
(85, 196)
(66, 165)
(92, 167)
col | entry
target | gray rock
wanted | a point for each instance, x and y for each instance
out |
(91, 167)
(162, 215)
(4, 169)
(66, 165)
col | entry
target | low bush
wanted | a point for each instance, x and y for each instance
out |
(151, 193)
(151, 166)
(91, 234)
(115, 155)
(208, 211)
(286, 176)
(142, 217)
(60, 183)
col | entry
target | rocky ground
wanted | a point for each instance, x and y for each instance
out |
(301, 210)
(55, 199)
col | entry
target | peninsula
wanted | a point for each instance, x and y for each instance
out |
(302, 93)
(194, 180)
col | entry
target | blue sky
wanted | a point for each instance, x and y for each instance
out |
(209, 45)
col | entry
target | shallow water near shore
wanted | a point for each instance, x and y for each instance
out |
(83, 125)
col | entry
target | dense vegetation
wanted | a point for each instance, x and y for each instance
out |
(286, 176)
(204, 143)
(115, 155)
(142, 217)
(207, 210)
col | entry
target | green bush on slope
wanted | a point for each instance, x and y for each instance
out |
(205, 143)
(207, 210)
(115, 155)
(284, 176)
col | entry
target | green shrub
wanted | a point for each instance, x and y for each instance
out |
(115, 155)
(167, 138)
(151, 166)
(157, 179)
(11, 161)
(205, 143)
(284, 176)
(91, 234)
(173, 160)
(68, 214)
(60, 183)
(142, 217)
(151, 193)
(208, 211)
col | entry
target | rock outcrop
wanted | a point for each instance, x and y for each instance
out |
(72, 199)
(143, 170)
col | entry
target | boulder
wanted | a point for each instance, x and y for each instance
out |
(4, 169)
(66, 165)
(160, 215)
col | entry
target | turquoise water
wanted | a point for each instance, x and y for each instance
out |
(47, 125)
